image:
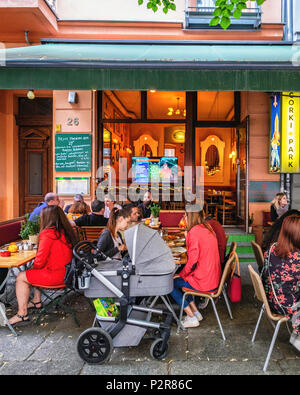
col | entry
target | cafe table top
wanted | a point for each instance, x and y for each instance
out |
(17, 258)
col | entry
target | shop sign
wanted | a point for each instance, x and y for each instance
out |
(274, 157)
(290, 138)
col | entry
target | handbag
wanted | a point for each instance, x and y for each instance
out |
(234, 287)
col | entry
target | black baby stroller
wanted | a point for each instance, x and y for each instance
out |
(147, 270)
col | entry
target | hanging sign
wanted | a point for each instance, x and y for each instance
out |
(290, 139)
(275, 135)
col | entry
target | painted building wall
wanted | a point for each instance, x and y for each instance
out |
(257, 106)
(129, 10)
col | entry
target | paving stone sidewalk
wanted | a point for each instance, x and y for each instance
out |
(50, 348)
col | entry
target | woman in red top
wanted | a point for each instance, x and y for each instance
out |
(203, 270)
(56, 241)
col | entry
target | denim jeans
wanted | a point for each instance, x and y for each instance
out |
(177, 294)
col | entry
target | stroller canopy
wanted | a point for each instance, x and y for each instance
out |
(152, 256)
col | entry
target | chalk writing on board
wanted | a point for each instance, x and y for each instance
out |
(73, 152)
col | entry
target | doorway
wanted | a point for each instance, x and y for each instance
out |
(35, 152)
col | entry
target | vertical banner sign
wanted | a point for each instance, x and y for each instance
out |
(275, 135)
(290, 139)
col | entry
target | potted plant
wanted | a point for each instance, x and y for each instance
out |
(155, 209)
(250, 222)
(30, 229)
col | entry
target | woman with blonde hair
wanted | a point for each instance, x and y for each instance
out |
(203, 270)
(279, 206)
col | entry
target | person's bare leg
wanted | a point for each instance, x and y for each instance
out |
(36, 300)
(189, 311)
(22, 294)
(193, 308)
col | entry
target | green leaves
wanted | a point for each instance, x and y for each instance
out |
(224, 9)
(155, 4)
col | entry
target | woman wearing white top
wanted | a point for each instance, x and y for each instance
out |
(109, 205)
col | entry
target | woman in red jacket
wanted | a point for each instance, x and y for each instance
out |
(56, 241)
(203, 270)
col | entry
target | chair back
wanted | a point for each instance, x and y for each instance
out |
(258, 254)
(90, 233)
(226, 272)
(261, 295)
(233, 246)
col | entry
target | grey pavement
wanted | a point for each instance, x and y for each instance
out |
(50, 348)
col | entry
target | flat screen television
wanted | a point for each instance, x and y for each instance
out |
(154, 169)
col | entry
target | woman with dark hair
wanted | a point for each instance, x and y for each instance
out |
(55, 250)
(273, 233)
(203, 270)
(110, 241)
(281, 275)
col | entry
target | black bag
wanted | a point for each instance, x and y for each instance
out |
(71, 274)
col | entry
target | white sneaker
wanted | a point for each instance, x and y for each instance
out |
(198, 316)
(295, 340)
(190, 322)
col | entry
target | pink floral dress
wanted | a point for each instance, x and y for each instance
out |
(285, 276)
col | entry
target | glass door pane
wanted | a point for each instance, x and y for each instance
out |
(242, 175)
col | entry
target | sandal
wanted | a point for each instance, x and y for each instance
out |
(24, 319)
(35, 305)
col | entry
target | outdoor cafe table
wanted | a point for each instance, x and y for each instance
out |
(16, 260)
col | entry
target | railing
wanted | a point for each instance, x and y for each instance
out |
(52, 4)
(199, 13)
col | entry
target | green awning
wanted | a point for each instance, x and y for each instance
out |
(142, 66)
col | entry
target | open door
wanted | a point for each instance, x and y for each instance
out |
(242, 175)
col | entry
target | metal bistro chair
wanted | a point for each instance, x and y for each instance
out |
(259, 256)
(261, 296)
(213, 295)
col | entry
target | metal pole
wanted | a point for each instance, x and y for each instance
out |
(289, 20)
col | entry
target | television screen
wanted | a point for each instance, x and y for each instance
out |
(168, 169)
(145, 170)
(140, 169)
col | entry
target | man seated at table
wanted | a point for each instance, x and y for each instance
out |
(51, 199)
(133, 214)
(96, 218)
(145, 206)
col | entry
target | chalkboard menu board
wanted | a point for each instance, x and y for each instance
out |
(72, 152)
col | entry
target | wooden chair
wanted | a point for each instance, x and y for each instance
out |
(226, 210)
(213, 295)
(261, 296)
(90, 233)
(56, 299)
(259, 256)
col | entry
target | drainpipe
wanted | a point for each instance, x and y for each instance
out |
(288, 14)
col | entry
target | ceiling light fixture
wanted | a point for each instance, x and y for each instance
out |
(176, 111)
(30, 94)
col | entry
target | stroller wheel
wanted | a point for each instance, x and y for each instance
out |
(95, 345)
(155, 350)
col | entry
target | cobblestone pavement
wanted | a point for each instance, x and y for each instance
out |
(50, 348)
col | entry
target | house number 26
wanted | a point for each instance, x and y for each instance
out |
(73, 121)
